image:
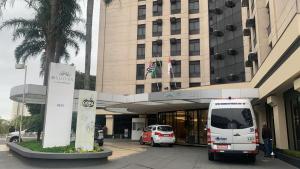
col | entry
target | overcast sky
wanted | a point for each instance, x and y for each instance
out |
(10, 77)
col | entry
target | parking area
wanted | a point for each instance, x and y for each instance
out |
(131, 155)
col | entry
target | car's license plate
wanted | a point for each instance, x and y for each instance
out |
(222, 147)
(166, 135)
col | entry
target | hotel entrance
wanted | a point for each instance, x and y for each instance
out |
(189, 126)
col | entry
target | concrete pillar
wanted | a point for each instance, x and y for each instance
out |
(110, 124)
(297, 84)
(277, 102)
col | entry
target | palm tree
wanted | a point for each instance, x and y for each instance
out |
(36, 32)
(88, 48)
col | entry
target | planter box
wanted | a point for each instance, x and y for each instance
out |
(57, 156)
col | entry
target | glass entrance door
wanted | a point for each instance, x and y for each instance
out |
(180, 127)
(203, 127)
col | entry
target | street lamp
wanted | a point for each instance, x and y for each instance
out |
(22, 66)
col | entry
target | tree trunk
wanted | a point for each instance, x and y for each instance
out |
(89, 25)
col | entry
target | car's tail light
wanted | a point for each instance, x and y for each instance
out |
(256, 141)
(172, 135)
(208, 136)
(158, 134)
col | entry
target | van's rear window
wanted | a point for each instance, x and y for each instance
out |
(164, 128)
(233, 118)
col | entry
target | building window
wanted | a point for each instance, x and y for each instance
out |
(193, 6)
(175, 26)
(140, 72)
(140, 51)
(194, 26)
(157, 8)
(158, 70)
(176, 69)
(195, 84)
(175, 6)
(157, 28)
(175, 85)
(156, 49)
(156, 87)
(194, 69)
(142, 12)
(194, 47)
(139, 89)
(175, 47)
(141, 31)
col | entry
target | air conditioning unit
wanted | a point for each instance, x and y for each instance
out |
(245, 3)
(218, 33)
(230, 27)
(159, 21)
(230, 4)
(218, 56)
(173, 19)
(246, 32)
(231, 51)
(248, 63)
(252, 56)
(158, 42)
(250, 22)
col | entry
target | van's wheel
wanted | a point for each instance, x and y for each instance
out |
(211, 157)
(252, 159)
(170, 145)
(152, 143)
(141, 141)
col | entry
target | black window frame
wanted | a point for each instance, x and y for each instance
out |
(176, 66)
(194, 6)
(140, 72)
(154, 87)
(176, 27)
(156, 9)
(193, 69)
(175, 48)
(175, 6)
(142, 12)
(156, 49)
(139, 88)
(141, 31)
(140, 55)
(195, 84)
(175, 87)
(194, 26)
(157, 29)
(194, 44)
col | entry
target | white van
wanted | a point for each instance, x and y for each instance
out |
(232, 129)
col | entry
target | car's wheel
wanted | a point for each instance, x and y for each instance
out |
(152, 143)
(14, 139)
(170, 145)
(211, 157)
(141, 141)
(252, 159)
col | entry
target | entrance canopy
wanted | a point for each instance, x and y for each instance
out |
(142, 103)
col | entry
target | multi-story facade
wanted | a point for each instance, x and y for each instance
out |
(211, 42)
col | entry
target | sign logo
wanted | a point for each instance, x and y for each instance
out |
(88, 103)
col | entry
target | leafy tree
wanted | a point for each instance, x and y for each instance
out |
(41, 33)
(80, 78)
(4, 126)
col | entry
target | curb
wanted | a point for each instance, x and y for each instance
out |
(57, 156)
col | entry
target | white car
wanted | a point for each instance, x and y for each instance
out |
(232, 129)
(158, 134)
(14, 136)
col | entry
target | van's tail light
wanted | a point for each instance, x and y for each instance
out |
(208, 136)
(172, 135)
(158, 134)
(256, 137)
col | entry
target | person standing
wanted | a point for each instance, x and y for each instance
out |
(267, 137)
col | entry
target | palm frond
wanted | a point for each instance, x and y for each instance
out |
(20, 22)
(29, 48)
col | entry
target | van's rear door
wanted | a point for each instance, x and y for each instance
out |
(244, 129)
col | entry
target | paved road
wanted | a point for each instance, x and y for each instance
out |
(133, 156)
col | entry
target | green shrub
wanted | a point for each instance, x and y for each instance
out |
(37, 146)
(292, 153)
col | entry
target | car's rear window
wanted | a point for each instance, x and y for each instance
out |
(164, 128)
(233, 118)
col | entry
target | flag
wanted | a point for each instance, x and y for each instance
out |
(150, 69)
(170, 67)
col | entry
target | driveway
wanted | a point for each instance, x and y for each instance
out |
(131, 155)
